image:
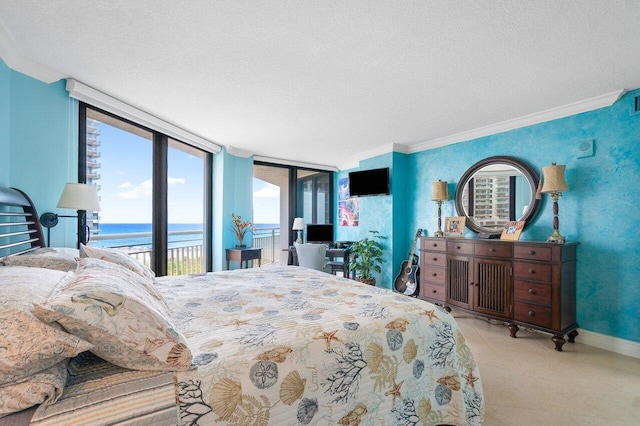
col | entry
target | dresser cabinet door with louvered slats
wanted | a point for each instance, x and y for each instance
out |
(522, 283)
(480, 277)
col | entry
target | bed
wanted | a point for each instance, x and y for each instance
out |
(264, 346)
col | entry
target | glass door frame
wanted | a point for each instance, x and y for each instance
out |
(159, 225)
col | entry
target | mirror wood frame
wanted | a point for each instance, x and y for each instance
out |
(529, 174)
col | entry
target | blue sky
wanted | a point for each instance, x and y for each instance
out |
(266, 202)
(126, 185)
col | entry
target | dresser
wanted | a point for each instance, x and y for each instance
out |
(522, 283)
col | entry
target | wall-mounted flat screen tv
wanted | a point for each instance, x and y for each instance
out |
(320, 233)
(369, 182)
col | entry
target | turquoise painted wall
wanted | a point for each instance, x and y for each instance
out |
(598, 211)
(233, 193)
(42, 154)
(5, 122)
(380, 212)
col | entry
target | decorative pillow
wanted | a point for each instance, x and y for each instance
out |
(44, 387)
(59, 258)
(118, 257)
(27, 345)
(112, 307)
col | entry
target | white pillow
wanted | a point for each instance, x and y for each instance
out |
(28, 345)
(121, 313)
(59, 258)
(118, 257)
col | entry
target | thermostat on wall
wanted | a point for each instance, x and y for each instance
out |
(585, 148)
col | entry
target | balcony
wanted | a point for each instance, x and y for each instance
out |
(185, 254)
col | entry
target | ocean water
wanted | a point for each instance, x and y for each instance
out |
(174, 240)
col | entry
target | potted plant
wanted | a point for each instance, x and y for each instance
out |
(240, 228)
(366, 257)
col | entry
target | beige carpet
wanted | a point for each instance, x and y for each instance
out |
(526, 382)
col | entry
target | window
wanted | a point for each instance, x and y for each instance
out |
(282, 193)
(154, 193)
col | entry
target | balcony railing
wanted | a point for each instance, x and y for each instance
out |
(185, 256)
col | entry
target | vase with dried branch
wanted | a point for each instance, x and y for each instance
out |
(240, 228)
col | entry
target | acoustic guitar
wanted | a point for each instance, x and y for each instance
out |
(407, 280)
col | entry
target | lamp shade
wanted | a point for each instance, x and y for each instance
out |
(440, 192)
(298, 224)
(79, 196)
(553, 179)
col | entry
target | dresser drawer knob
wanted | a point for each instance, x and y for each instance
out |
(458, 247)
(492, 250)
(532, 252)
(435, 244)
(532, 291)
(435, 259)
(434, 291)
(435, 274)
(532, 271)
(532, 314)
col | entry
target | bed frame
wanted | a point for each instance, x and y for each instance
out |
(20, 229)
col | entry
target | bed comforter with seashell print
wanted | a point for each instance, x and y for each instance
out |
(288, 345)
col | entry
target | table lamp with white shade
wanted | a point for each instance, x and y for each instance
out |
(298, 225)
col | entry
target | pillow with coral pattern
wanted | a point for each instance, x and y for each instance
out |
(120, 312)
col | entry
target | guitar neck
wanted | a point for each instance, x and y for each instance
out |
(413, 247)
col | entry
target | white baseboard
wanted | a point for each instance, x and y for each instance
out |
(613, 344)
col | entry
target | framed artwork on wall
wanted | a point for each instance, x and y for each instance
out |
(454, 226)
(348, 207)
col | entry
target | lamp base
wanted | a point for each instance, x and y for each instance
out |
(556, 238)
(299, 240)
(438, 234)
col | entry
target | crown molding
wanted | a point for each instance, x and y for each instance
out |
(11, 56)
(590, 104)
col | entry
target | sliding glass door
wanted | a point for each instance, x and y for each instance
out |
(154, 193)
(282, 193)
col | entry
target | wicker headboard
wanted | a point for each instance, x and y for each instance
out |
(20, 230)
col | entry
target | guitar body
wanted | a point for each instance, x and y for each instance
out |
(408, 279)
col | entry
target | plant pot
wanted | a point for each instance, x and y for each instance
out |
(370, 281)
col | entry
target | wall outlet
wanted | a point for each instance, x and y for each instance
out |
(585, 148)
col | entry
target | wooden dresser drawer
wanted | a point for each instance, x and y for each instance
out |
(493, 250)
(532, 252)
(459, 247)
(538, 293)
(434, 259)
(534, 314)
(433, 291)
(433, 244)
(532, 271)
(433, 275)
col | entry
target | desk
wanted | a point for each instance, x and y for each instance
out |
(332, 253)
(244, 255)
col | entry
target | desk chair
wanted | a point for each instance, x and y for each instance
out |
(312, 256)
(337, 264)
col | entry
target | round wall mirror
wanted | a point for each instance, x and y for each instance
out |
(497, 190)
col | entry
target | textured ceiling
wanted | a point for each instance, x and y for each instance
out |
(330, 82)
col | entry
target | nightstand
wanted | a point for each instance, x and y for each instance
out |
(244, 255)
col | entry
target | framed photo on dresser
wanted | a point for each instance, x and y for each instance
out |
(454, 226)
(512, 230)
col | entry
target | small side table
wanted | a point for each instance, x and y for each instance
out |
(244, 255)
